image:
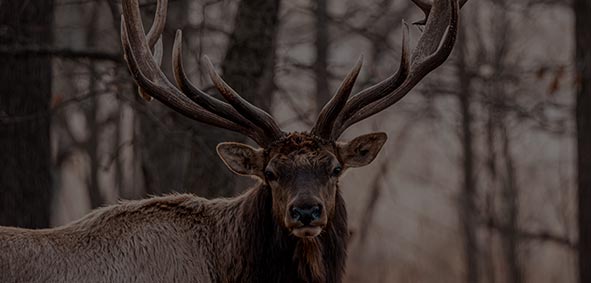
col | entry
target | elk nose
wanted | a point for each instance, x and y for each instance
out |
(306, 214)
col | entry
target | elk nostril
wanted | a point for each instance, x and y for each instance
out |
(306, 215)
(316, 212)
(296, 213)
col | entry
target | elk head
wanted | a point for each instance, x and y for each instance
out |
(300, 169)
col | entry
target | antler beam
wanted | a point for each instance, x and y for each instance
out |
(433, 48)
(238, 115)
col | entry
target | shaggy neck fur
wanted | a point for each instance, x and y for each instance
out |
(272, 254)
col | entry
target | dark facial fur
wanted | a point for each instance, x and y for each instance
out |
(300, 172)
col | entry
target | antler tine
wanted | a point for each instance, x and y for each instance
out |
(159, 23)
(162, 93)
(324, 124)
(150, 78)
(426, 8)
(435, 30)
(380, 90)
(155, 38)
(158, 52)
(245, 108)
(433, 48)
(198, 96)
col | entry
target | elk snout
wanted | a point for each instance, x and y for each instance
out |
(306, 214)
(306, 219)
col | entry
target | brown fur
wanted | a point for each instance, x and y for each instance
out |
(297, 143)
(176, 238)
(184, 238)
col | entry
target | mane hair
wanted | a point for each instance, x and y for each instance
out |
(278, 256)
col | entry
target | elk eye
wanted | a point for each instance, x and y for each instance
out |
(270, 176)
(336, 171)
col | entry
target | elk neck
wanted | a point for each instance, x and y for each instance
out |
(273, 254)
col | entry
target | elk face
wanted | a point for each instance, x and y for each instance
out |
(302, 171)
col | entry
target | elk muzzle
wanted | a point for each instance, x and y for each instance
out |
(306, 219)
(306, 214)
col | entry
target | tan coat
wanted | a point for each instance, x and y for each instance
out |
(176, 238)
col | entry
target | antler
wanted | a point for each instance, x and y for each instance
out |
(426, 8)
(239, 115)
(433, 48)
(155, 40)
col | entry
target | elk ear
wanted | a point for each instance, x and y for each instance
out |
(362, 150)
(241, 159)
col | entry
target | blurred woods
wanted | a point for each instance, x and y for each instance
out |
(477, 183)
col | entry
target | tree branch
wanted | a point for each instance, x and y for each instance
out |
(545, 236)
(64, 53)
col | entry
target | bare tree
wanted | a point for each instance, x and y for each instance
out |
(248, 67)
(162, 161)
(25, 90)
(582, 10)
(507, 183)
(94, 129)
(510, 198)
(468, 213)
(321, 63)
(190, 165)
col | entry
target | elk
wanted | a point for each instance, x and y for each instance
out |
(290, 227)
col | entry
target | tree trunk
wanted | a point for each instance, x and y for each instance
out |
(467, 207)
(248, 67)
(163, 149)
(491, 167)
(510, 194)
(249, 62)
(181, 159)
(321, 64)
(94, 129)
(25, 94)
(582, 10)
(190, 163)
